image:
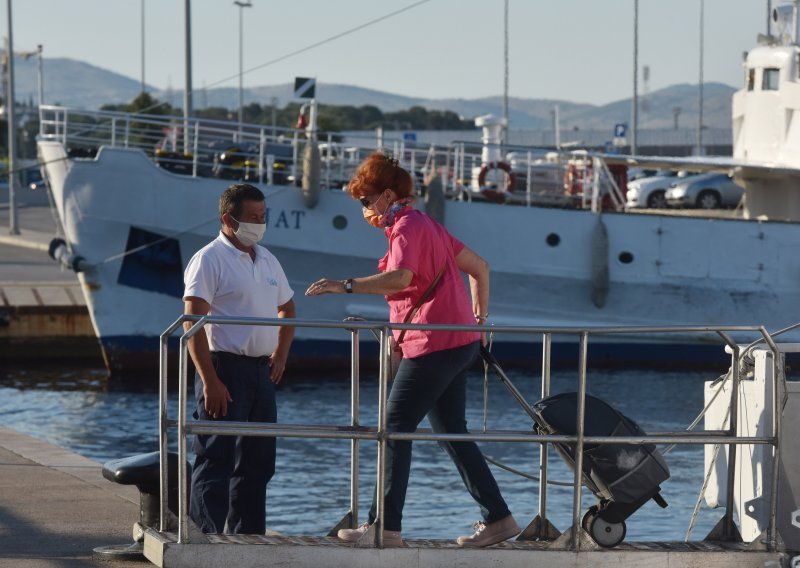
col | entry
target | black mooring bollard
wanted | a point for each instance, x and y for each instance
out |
(143, 471)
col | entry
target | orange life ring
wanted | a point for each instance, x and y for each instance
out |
(492, 194)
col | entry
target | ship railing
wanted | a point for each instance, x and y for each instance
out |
(355, 432)
(542, 176)
(274, 155)
(208, 147)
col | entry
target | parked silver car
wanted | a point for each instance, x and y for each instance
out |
(705, 191)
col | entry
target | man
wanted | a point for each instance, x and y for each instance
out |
(237, 365)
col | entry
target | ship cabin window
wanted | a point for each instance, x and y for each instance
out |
(751, 79)
(769, 80)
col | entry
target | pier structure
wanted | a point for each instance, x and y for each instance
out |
(177, 543)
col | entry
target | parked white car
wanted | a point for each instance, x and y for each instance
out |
(648, 192)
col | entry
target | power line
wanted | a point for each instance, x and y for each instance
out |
(324, 41)
(304, 49)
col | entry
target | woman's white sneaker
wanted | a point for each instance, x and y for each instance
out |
(391, 539)
(487, 535)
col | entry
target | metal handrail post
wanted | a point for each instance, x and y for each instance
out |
(733, 431)
(329, 161)
(66, 126)
(528, 180)
(262, 143)
(342, 160)
(183, 379)
(446, 174)
(778, 379)
(579, 431)
(380, 501)
(195, 148)
(462, 167)
(295, 156)
(354, 422)
(545, 392)
(163, 419)
(113, 132)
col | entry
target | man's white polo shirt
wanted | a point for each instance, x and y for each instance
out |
(234, 285)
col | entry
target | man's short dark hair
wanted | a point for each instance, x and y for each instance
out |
(232, 198)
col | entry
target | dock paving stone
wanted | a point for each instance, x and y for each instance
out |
(55, 515)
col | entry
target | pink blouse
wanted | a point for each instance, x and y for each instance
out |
(421, 245)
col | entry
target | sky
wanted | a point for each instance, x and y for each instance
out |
(576, 50)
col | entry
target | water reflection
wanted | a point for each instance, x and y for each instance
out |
(78, 409)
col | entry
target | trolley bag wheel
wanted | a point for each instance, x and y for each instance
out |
(607, 535)
(591, 513)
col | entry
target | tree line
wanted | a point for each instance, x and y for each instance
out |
(330, 118)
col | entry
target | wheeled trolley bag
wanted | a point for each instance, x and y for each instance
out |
(622, 476)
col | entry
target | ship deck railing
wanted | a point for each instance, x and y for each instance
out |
(273, 155)
(538, 529)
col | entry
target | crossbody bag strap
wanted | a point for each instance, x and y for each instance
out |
(419, 303)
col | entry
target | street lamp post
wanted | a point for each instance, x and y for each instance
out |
(142, 46)
(187, 90)
(242, 5)
(13, 222)
(40, 74)
(635, 102)
(700, 150)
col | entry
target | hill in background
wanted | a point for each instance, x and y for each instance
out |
(78, 84)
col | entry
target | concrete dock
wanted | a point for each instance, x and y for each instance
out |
(42, 308)
(56, 507)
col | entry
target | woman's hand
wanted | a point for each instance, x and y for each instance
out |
(326, 286)
(389, 282)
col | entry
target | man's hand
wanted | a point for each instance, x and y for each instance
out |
(216, 397)
(277, 365)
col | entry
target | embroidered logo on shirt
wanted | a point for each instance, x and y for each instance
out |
(272, 282)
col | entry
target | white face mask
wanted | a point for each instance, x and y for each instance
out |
(249, 233)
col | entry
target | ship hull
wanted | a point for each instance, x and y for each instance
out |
(137, 225)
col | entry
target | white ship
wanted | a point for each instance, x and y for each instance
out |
(132, 216)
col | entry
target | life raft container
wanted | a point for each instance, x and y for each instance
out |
(498, 195)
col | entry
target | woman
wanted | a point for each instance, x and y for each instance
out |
(422, 270)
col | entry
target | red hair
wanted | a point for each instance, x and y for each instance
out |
(377, 173)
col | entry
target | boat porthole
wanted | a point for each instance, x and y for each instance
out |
(553, 240)
(339, 222)
(625, 257)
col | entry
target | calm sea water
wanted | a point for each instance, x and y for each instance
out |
(77, 409)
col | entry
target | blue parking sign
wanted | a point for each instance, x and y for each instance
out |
(619, 130)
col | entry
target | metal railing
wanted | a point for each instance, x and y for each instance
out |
(274, 155)
(355, 432)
